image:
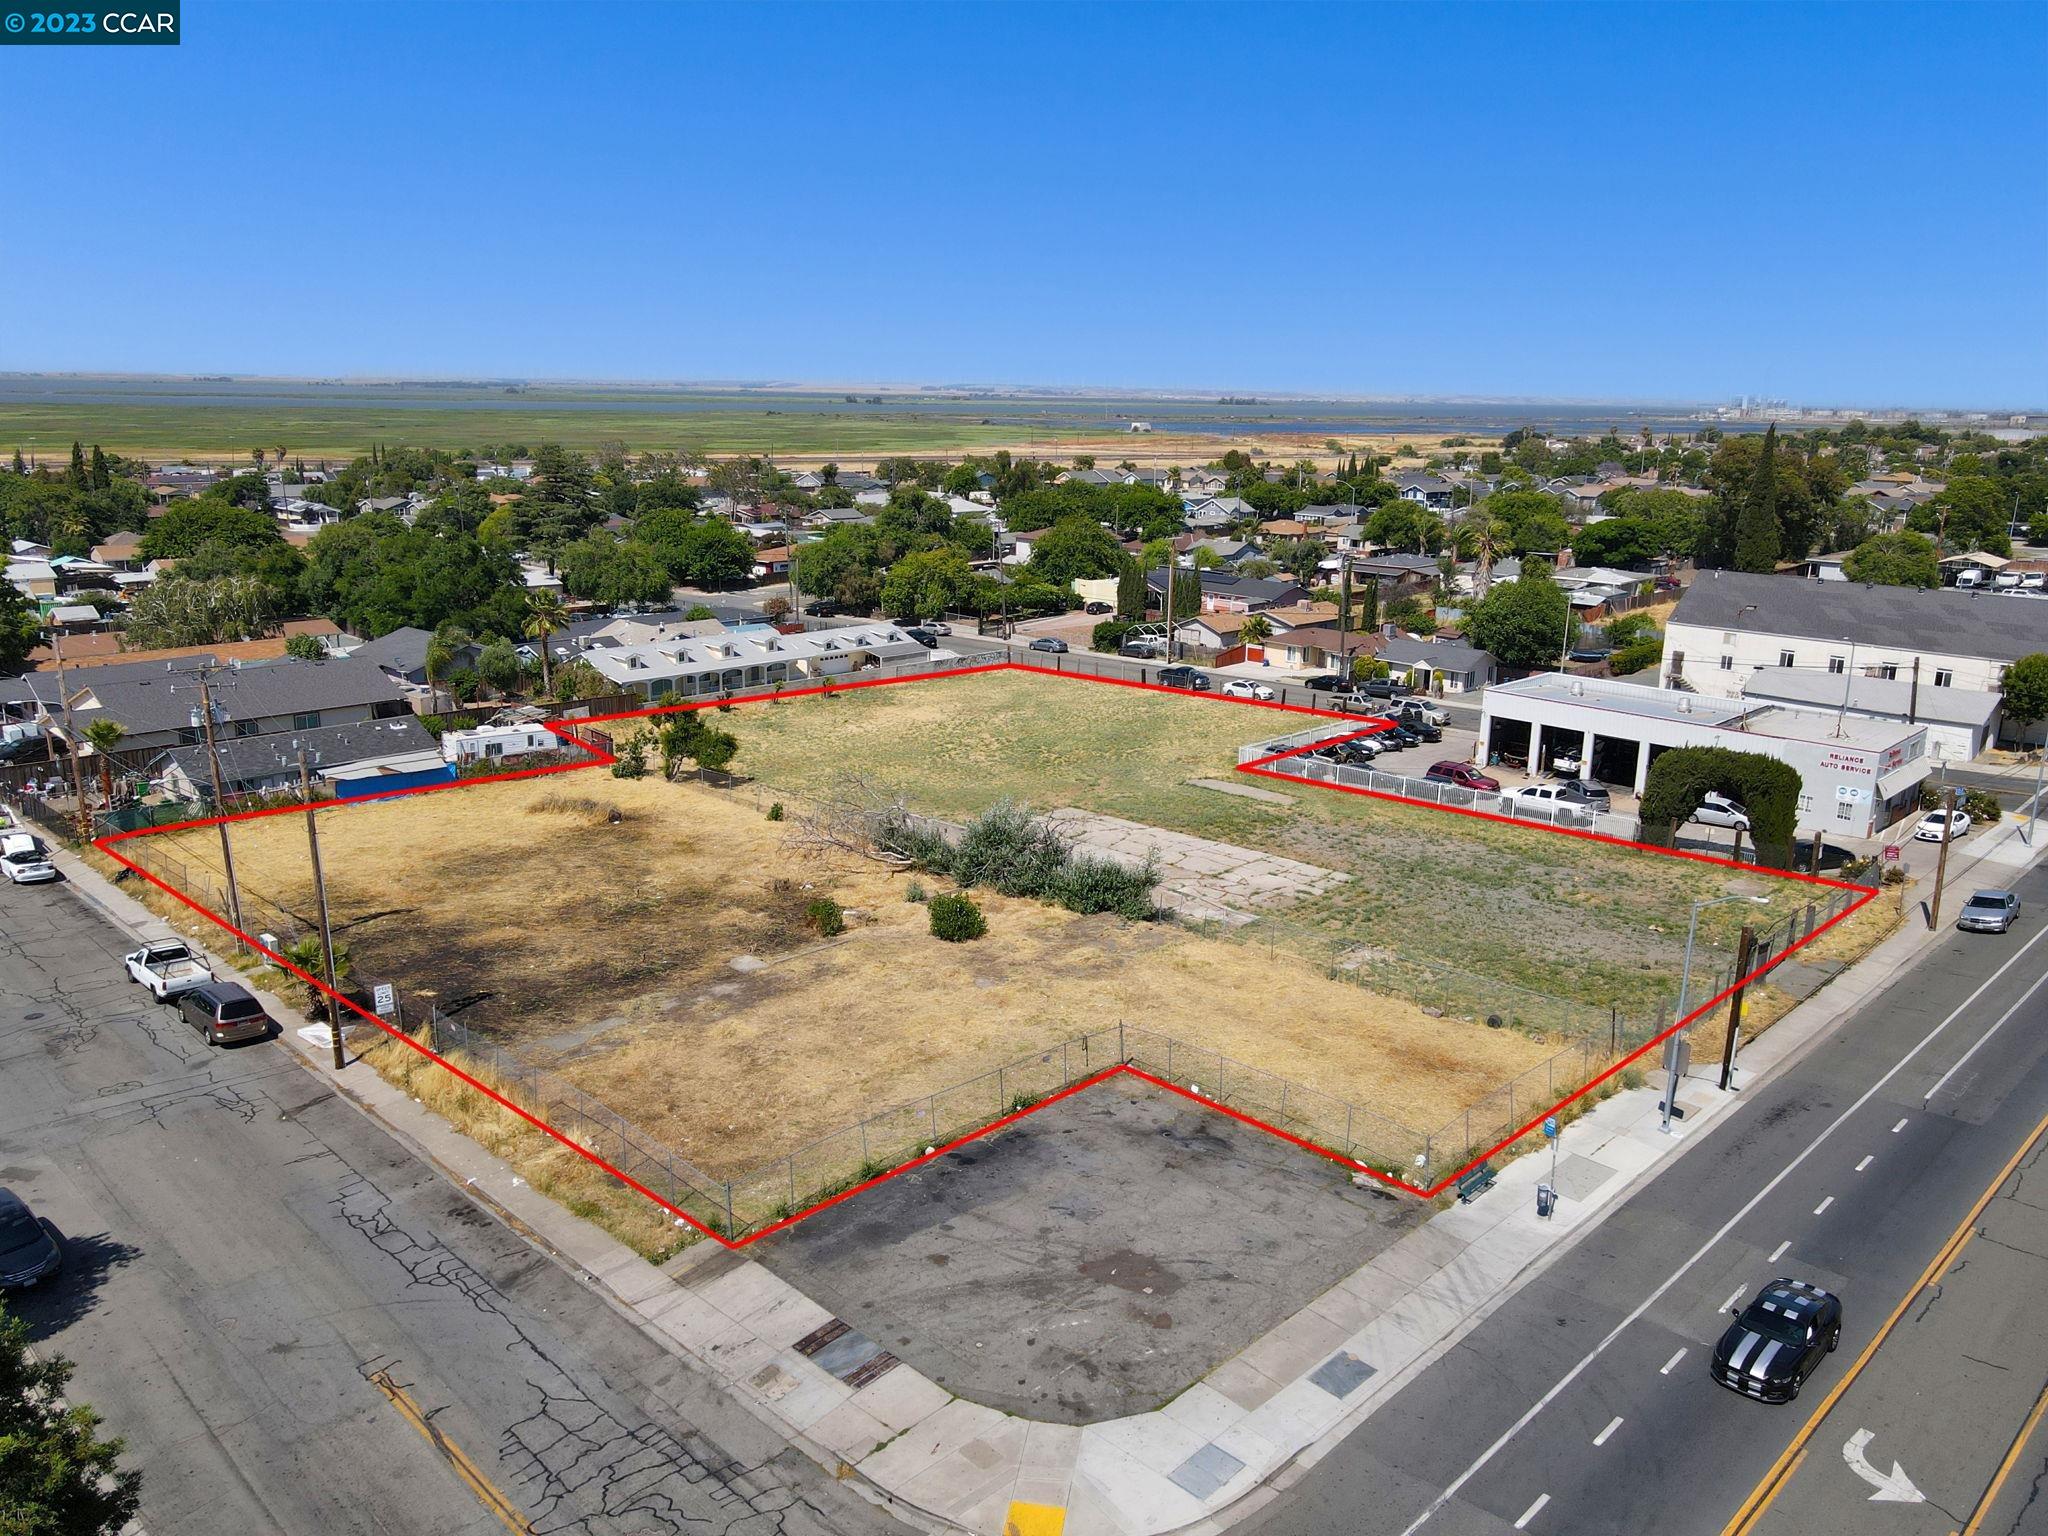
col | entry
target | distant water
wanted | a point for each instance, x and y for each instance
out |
(1109, 414)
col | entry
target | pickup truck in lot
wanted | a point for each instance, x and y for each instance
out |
(168, 968)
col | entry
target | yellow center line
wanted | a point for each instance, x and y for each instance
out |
(497, 1503)
(1766, 1492)
(2012, 1456)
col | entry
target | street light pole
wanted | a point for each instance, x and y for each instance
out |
(1948, 826)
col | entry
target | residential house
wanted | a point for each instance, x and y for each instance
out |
(1425, 489)
(35, 579)
(719, 664)
(1226, 591)
(1437, 666)
(1321, 647)
(104, 649)
(771, 564)
(266, 764)
(120, 551)
(1597, 591)
(1200, 484)
(1227, 551)
(158, 704)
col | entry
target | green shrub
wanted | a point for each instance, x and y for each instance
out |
(775, 811)
(1109, 634)
(914, 891)
(826, 916)
(956, 919)
(1983, 809)
(1768, 789)
(630, 762)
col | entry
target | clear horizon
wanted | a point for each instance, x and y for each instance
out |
(1657, 205)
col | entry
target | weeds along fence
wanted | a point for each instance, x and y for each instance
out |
(1435, 792)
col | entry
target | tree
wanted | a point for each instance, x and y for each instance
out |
(57, 1477)
(21, 629)
(310, 956)
(1299, 558)
(1075, 549)
(1894, 560)
(1970, 514)
(1757, 536)
(1532, 521)
(373, 574)
(179, 612)
(2026, 691)
(498, 665)
(1131, 594)
(1256, 630)
(544, 615)
(304, 648)
(603, 569)
(78, 478)
(103, 736)
(1521, 623)
(207, 520)
(927, 584)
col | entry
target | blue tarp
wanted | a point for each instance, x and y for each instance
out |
(389, 783)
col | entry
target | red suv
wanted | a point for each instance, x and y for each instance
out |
(1464, 775)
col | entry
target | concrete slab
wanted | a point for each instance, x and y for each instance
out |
(1205, 1472)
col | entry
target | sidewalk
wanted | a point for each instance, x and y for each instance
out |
(1220, 1450)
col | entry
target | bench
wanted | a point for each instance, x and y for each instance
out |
(1475, 1181)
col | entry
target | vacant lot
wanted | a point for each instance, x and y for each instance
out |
(1453, 911)
(606, 950)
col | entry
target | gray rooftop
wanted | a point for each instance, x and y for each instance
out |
(403, 650)
(164, 698)
(1445, 655)
(1874, 696)
(1942, 621)
(244, 759)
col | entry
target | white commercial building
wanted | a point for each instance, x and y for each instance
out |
(1857, 775)
(1730, 625)
(697, 667)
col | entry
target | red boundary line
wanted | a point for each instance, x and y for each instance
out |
(597, 757)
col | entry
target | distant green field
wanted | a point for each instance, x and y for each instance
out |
(316, 431)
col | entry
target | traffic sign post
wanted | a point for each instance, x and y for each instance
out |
(1550, 1130)
(1677, 1058)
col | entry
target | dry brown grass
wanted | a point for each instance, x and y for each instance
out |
(604, 951)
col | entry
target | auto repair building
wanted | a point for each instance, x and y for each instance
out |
(1857, 775)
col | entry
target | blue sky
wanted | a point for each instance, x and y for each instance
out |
(1611, 202)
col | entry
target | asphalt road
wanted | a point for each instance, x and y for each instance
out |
(1583, 1404)
(268, 1296)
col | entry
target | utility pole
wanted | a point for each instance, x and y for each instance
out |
(84, 817)
(1948, 824)
(1735, 1004)
(1171, 562)
(204, 674)
(326, 928)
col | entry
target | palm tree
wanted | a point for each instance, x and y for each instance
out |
(306, 954)
(103, 735)
(544, 615)
(1256, 630)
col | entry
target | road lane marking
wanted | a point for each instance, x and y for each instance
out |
(1729, 1304)
(1770, 1188)
(1819, 1209)
(1939, 1082)
(1778, 1252)
(1532, 1511)
(1668, 1364)
(2012, 1455)
(1766, 1492)
(1866, 1162)
(1612, 1426)
(1899, 1127)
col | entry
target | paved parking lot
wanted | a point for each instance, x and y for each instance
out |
(1094, 1259)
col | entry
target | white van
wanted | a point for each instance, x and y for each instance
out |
(1970, 576)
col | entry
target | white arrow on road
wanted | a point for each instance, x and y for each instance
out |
(1896, 1489)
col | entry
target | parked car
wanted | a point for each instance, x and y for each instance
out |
(1184, 677)
(1144, 650)
(1930, 828)
(1717, 810)
(1416, 726)
(28, 1253)
(937, 627)
(1325, 682)
(1414, 708)
(1384, 688)
(1051, 644)
(1668, 584)
(1547, 802)
(168, 968)
(225, 1012)
(2033, 581)
(1248, 688)
(1778, 1341)
(1583, 792)
(1989, 912)
(1358, 704)
(23, 860)
(823, 608)
(2006, 581)
(1566, 764)
(1396, 737)
(1097, 608)
(1464, 775)
(922, 636)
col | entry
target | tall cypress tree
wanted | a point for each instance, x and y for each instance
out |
(102, 477)
(1756, 528)
(78, 481)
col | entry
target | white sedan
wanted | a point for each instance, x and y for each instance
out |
(23, 861)
(1929, 827)
(1245, 688)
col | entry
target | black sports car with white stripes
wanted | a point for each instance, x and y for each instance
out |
(1778, 1340)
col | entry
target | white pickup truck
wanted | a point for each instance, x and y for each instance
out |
(168, 968)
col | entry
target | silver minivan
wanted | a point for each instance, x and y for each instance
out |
(225, 1013)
